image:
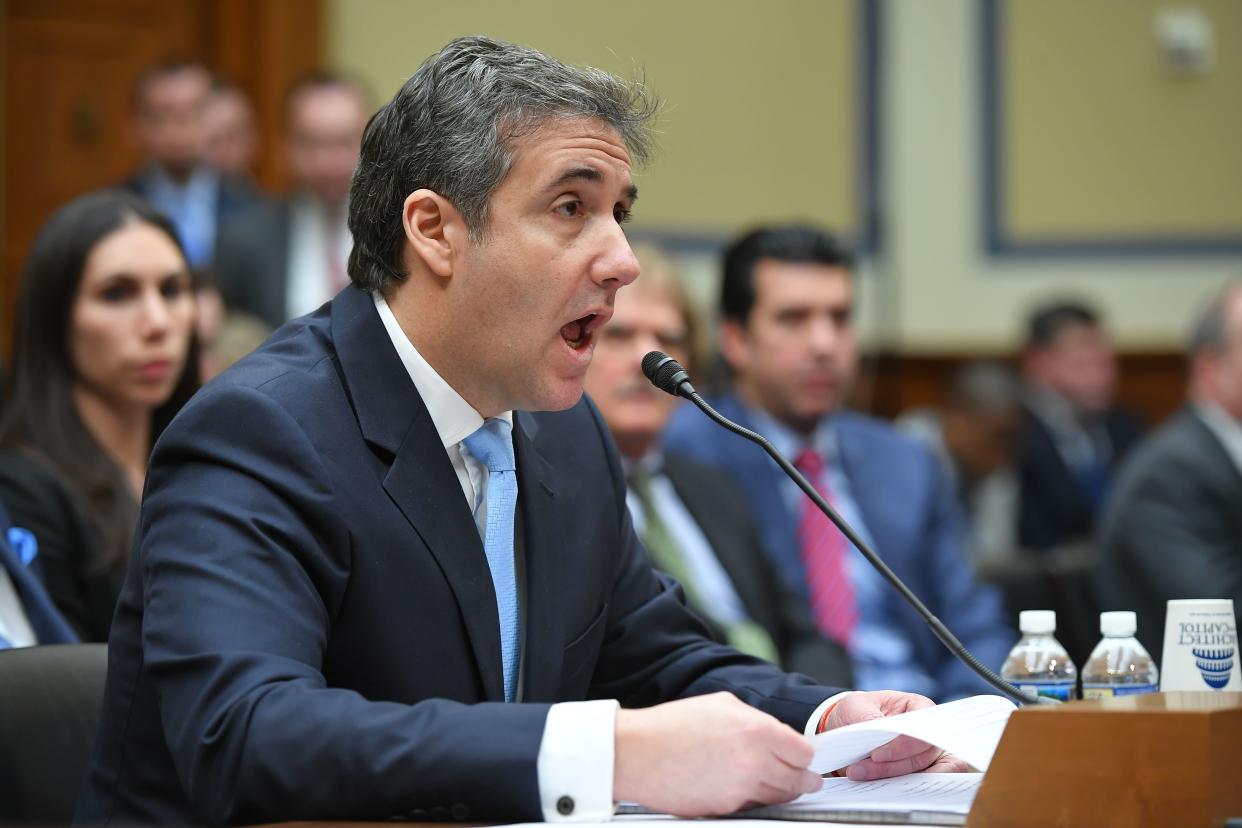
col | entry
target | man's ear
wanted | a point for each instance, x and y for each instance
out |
(433, 226)
(734, 346)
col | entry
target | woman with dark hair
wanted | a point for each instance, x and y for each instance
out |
(103, 356)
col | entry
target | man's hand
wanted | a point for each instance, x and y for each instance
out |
(903, 754)
(707, 756)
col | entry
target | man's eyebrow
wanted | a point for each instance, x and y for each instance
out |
(588, 174)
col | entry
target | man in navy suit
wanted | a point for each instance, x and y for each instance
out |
(168, 103)
(787, 303)
(368, 582)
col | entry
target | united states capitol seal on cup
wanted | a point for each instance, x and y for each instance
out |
(1200, 646)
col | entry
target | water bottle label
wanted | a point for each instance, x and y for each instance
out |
(1107, 691)
(1062, 691)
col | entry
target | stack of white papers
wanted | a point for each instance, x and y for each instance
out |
(915, 799)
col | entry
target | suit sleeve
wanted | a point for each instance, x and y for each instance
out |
(244, 564)
(1177, 537)
(972, 610)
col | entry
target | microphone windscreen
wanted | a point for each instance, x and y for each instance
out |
(662, 370)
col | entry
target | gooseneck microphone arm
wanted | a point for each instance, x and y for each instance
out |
(668, 375)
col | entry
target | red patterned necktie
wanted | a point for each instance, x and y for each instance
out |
(824, 558)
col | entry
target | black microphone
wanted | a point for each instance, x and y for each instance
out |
(667, 374)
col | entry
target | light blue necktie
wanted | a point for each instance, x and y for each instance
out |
(492, 444)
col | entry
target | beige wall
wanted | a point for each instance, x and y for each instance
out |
(759, 96)
(939, 291)
(1103, 138)
(760, 126)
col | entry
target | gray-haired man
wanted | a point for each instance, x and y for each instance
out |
(368, 582)
(1173, 526)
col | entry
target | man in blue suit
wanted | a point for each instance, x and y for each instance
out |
(368, 582)
(787, 303)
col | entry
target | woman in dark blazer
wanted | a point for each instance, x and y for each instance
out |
(102, 357)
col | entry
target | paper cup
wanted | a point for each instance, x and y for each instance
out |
(1200, 646)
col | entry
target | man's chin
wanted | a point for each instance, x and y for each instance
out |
(559, 397)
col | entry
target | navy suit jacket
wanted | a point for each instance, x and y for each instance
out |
(908, 509)
(252, 260)
(308, 627)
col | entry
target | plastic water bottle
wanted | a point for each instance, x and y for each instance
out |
(1118, 666)
(1038, 663)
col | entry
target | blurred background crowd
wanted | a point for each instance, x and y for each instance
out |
(993, 291)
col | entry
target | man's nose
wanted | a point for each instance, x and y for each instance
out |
(823, 335)
(646, 342)
(616, 262)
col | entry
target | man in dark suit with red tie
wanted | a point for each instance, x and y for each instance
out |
(787, 304)
(384, 566)
(694, 521)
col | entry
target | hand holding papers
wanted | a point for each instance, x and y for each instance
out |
(969, 728)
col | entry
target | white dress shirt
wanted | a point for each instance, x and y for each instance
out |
(14, 626)
(576, 753)
(711, 582)
(319, 245)
(578, 748)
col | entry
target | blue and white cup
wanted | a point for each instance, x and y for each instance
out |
(1201, 646)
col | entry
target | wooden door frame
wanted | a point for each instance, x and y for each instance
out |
(261, 45)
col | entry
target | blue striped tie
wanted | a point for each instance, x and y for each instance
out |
(492, 444)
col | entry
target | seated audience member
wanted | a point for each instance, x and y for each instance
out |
(1173, 526)
(787, 303)
(384, 564)
(975, 437)
(168, 101)
(27, 614)
(1073, 434)
(230, 136)
(289, 257)
(693, 520)
(101, 359)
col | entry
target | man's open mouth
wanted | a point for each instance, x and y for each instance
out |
(579, 332)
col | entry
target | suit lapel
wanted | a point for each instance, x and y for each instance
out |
(46, 621)
(543, 633)
(420, 480)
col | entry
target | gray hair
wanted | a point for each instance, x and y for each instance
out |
(985, 385)
(1211, 328)
(451, 128)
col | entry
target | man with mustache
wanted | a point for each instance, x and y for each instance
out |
(693, 520)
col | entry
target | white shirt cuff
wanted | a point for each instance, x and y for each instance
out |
(812, 725)
(575, 764)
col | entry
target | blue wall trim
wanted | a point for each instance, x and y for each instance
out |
(998, 239)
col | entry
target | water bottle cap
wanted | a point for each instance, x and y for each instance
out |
(1118, 623)
(1037, 621)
